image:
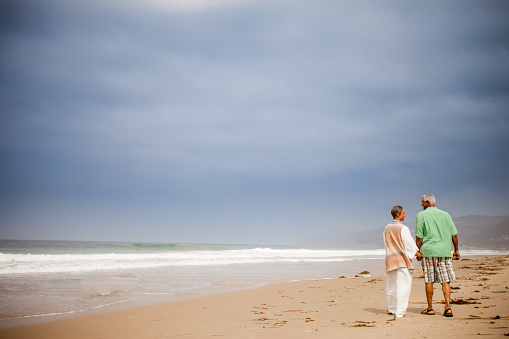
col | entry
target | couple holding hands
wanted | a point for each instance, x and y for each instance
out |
(434, 233)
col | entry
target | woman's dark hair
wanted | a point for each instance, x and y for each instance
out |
(396, 210)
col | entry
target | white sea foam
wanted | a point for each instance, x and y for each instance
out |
(12, 263)
(49, 263)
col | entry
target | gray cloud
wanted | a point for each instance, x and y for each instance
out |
(289, 114)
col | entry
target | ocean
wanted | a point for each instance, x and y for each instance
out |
(47, 280)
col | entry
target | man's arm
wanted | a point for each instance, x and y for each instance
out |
(418, 242)
(456, 254)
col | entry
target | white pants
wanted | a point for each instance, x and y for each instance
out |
(399, 285)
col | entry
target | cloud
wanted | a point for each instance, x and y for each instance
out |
(301, 107)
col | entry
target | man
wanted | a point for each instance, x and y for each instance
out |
(434, 232)
(400, 248)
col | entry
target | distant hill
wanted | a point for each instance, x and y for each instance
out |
(477, 231)
(474, 232)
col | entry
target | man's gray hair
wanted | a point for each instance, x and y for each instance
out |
(430, 198)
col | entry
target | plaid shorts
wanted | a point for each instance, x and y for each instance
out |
(437, 269)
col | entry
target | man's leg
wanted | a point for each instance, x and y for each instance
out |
(428, 268)
(446, 288)
(446, 273)
(429, 295)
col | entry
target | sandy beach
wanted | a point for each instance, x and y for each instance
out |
(330, 308)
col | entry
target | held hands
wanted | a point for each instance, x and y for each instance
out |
(418, 255)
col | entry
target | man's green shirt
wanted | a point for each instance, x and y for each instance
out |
(436, 229)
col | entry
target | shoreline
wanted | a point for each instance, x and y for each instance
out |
(221, 285)
(113, 291)
(316, 308)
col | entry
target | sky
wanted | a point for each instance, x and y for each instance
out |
(249, 122)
